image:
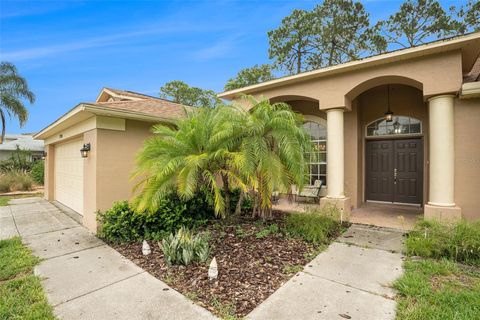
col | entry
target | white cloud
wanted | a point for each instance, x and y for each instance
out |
(95, 42)
(218, 49)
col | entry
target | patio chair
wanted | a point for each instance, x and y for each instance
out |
(311, 192)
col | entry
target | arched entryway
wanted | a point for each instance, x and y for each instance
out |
(393, 152)
(394, 161)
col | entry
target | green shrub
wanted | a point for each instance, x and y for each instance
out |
(15, 181)
(185, 247)
(20, 160)
(38, 171)
(459, 242)
(265, 232)
(122, 223)
(317, 227)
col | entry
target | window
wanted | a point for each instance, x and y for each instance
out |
(399, 125)
(317, 158)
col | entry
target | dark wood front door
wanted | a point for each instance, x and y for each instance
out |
(394, 171)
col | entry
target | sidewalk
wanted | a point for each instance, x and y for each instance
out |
(83, 277)
(350, 280)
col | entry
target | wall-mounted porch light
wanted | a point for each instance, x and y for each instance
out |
(388, 114)
(44, 155)
(85, 149)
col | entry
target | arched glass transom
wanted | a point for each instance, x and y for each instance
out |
(318, 158)
(399, 125)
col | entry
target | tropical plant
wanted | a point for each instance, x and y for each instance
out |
(185, 247)
(274, 146)
(221, 149)
(180, 92)
(198, 153)
(250, 76)
(19, 160)
(13, 90)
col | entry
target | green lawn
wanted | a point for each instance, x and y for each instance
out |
(438, 289)
(21, 293)
(4, 200)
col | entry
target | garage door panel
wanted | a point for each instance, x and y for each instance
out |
(69, 175)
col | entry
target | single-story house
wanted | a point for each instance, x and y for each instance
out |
(12, 142)
(399, 127)
(110, 131)
(425, 154)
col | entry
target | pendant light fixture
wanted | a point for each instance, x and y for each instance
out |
(388, 114)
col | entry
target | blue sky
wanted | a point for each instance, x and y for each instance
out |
(69, 50)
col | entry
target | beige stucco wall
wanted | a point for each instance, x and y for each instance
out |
(108, 167)
(90, 176)
(48, 174)
(467, 157)
(115, 161)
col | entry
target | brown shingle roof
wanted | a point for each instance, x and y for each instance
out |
(132, 94)
(153, 107)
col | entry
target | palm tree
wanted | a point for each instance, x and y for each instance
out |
(275, 146)
(13, 90)
(195, 153)
(260, 151)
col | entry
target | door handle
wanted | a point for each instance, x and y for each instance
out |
(395, 176)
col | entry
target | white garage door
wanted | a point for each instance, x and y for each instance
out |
(69, 175)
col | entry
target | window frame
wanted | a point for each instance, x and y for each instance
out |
(391, 135)
(319, 163)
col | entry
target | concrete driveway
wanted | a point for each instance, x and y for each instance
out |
(83, 277)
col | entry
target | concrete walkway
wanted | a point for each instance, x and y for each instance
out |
(84, 278)
(350, 280)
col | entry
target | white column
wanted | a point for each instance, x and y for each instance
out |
(335, 160)
(442, 151)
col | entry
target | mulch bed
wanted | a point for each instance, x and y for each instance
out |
(250, 268)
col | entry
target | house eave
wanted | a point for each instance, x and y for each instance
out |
(84, 111)
(469, 43)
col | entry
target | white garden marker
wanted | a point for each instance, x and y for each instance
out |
(213, 270)
(146, 248)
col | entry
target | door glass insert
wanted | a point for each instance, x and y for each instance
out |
(398, 126)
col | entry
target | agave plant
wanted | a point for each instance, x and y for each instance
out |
(185, 247)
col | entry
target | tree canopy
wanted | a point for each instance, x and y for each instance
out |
(467, 17)
(291, 43)
(250, 76)
(180, 92)
(337, 31)
(334, 32)
(342, 32)
(13, 91)
(417, 22)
